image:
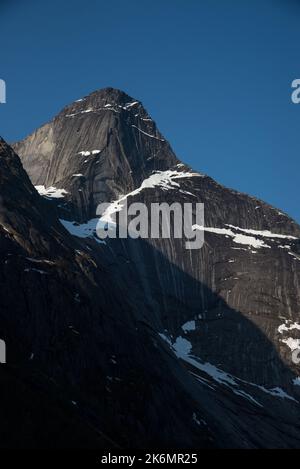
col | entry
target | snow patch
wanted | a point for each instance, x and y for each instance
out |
(265, 233)
(189, 326)
(51, 192)
(288, 327)
(294, 256)
(129, 105)
(182, 347)
(88, 153)
(148, 135)
(296, 381)
(83, 230)
(239, 238)
(293, 344)
(236, 237)
(277, 392)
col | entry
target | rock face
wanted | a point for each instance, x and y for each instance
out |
(76, 367)
(105, 140)
(153, 343)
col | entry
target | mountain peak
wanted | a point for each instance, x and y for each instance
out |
(123, 305)
(115, 94)
(106, 99)
(96, 149)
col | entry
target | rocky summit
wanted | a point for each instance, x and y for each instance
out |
(127, 343)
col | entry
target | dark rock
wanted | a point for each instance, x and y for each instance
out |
(105, 319)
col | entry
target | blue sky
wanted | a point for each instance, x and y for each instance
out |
(215, 75)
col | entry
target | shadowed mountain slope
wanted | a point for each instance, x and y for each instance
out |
(196, 345)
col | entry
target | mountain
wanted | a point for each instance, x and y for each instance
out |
(141, 341)
(73, 348)
(100, 138)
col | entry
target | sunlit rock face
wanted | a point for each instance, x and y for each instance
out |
(108, 138)
(200, 340)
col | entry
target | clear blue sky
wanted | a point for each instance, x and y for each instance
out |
(215, 75)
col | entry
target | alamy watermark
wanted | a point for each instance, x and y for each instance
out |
(296, 93)
(2, 351)
(159, 220)
(2, 92)
(296, 356)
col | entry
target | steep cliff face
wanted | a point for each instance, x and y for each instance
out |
(208, 325)
(97, 148)
(73, 347)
